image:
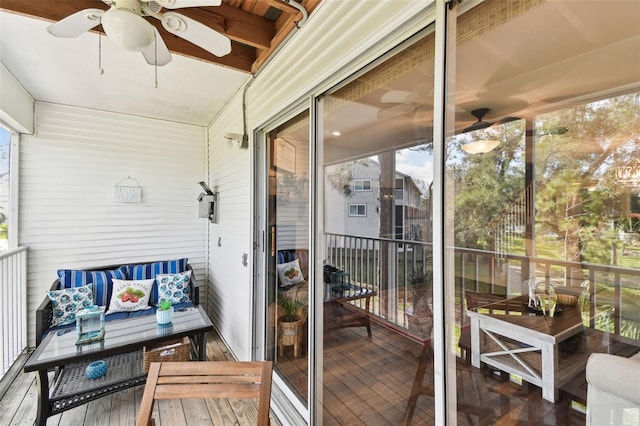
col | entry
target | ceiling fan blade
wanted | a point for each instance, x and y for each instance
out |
(505, 120)
(175, 4)
(397, 97)
(398, 111)
(157, 52)
(197, 33)
(76, 24)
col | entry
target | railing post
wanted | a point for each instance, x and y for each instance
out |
(13, 320)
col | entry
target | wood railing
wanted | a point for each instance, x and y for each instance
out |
(386, 265)
(13, 314)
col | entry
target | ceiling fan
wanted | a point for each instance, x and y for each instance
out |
(405, 104)
(481, 146)
(480, 124)
(125, 25)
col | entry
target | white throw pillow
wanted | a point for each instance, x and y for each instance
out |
(290, 273)
(130, 295)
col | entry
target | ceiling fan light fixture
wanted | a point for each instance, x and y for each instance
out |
(480, 146)
(127, 29)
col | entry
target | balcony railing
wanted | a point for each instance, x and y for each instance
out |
(13, 315)
(386, 266)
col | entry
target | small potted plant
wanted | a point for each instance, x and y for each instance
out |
(291, 318)
(164, 313)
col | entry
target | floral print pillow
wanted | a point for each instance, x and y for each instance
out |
(174, 287)
(67, 302)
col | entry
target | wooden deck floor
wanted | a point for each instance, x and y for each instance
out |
(366, 382)
(18, 403)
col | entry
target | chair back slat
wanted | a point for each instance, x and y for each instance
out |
(211, 379)
(215, 390)
(195, 379)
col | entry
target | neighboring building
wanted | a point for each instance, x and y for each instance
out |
(357, 195)
(412, 213)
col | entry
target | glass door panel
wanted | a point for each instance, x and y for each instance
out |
(287, 243)
(542, 197)
(376, 206)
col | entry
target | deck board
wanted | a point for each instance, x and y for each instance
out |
(363, 385)
(220, 411)
(198, 412)
(123, 407)
(12, 399)
(170, 413)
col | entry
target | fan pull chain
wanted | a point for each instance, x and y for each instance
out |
(155, 62)
(100, 70)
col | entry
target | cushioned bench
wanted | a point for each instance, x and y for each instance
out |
(134, 291)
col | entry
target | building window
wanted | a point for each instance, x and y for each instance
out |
(360, 185)
(357, 210)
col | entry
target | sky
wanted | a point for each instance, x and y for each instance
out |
(5, 138)
(417, 164)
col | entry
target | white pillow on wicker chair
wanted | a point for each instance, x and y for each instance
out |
(290, 273)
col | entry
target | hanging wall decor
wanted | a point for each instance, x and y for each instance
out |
(128, 190)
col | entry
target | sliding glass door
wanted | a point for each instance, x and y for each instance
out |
(375, 243)
(287, 253)
(542, 197)
(535, 196)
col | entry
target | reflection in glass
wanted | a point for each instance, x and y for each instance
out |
(550, 213)
(377, 244)
(288, 259)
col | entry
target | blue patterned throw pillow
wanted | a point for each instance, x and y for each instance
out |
(174, 287)
(67, 302)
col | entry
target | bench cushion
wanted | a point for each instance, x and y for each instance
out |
(101, 281)
(145, 271)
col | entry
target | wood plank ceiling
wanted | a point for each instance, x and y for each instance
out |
(256, 27)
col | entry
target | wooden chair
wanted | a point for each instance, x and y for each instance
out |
(208, 379)
(473, 300)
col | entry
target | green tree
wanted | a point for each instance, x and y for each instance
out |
(578, 198)
(486, 185)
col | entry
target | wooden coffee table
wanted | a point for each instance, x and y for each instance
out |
(121, 349)
(518, 341)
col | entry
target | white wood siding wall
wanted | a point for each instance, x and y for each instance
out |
(230, 282)
(338, 39)
(68, 172)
